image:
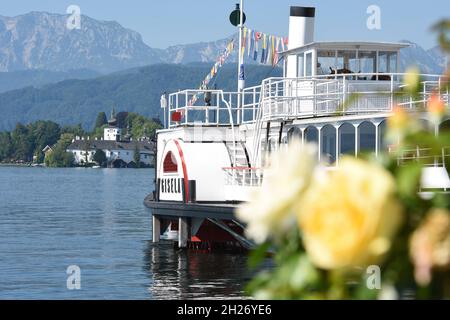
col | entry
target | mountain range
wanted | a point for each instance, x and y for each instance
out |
(48, 71)
(41, 41)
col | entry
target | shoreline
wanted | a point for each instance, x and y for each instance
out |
(30, 165)
(15, 165)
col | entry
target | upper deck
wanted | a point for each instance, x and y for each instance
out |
(304, 97)
(325, 58)
(319, 79)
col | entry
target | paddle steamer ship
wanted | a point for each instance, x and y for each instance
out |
(211, 155)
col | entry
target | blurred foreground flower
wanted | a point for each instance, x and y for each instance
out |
(430, 245)
(399, 120)
(436, 108)
(412, 80)
(349, 218)
(400, 124)
(269, 213)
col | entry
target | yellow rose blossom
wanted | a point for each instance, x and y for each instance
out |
(269, 213)
(430, 245)
(350, 216)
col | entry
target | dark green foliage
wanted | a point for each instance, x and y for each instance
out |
(26, 142)
(44, 133)
(59, 157)
(121, 118)
(137, 157)
(139, 126)
(76, 130)
(6, 146)
(101, 120)
(38, 78)
(23, 144)
(98, 132)
(100, 157)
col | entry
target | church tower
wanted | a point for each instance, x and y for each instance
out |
(112, 132)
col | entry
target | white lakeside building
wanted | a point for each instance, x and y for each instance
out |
(119, 153)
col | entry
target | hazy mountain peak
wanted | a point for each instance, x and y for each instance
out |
(417, 56)
(41, 40)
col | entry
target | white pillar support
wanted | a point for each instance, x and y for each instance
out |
(356, 139)
(183, 232)
(337, 144)
(319, 142)
(377, 139)
(156, 228)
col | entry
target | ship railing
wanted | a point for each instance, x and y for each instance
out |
(435, 167)
(219, 107)
(250, 104)
(202, 107)
(243, 176)
(329, 94)
(426, 156)
(302, 97)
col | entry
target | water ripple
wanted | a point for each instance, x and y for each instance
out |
(53, 218)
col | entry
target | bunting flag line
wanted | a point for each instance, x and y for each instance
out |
(258, 36)
(253, 41)
(249, 40)
(220, 61)
(267, 47)
(244, 41)
(264, 48)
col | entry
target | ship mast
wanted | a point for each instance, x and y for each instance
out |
(241, 74)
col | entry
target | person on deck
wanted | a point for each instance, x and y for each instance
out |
(319, 69)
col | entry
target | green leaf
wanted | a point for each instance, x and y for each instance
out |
(257, 255)
(408, 179)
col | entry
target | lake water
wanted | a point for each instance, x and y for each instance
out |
(95, 219)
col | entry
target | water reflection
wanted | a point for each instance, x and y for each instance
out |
(187, 274)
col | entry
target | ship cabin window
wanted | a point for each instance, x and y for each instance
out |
(347, 62)
(300, 65)
(308, 64)
(305, 64)
(387, 62)
(356, 61)
(368, 62)
(326, 61)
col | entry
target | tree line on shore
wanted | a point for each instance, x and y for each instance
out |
(26, 143)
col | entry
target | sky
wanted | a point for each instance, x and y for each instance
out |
(164, 23)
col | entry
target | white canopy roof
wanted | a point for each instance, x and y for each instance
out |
(349, 45)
